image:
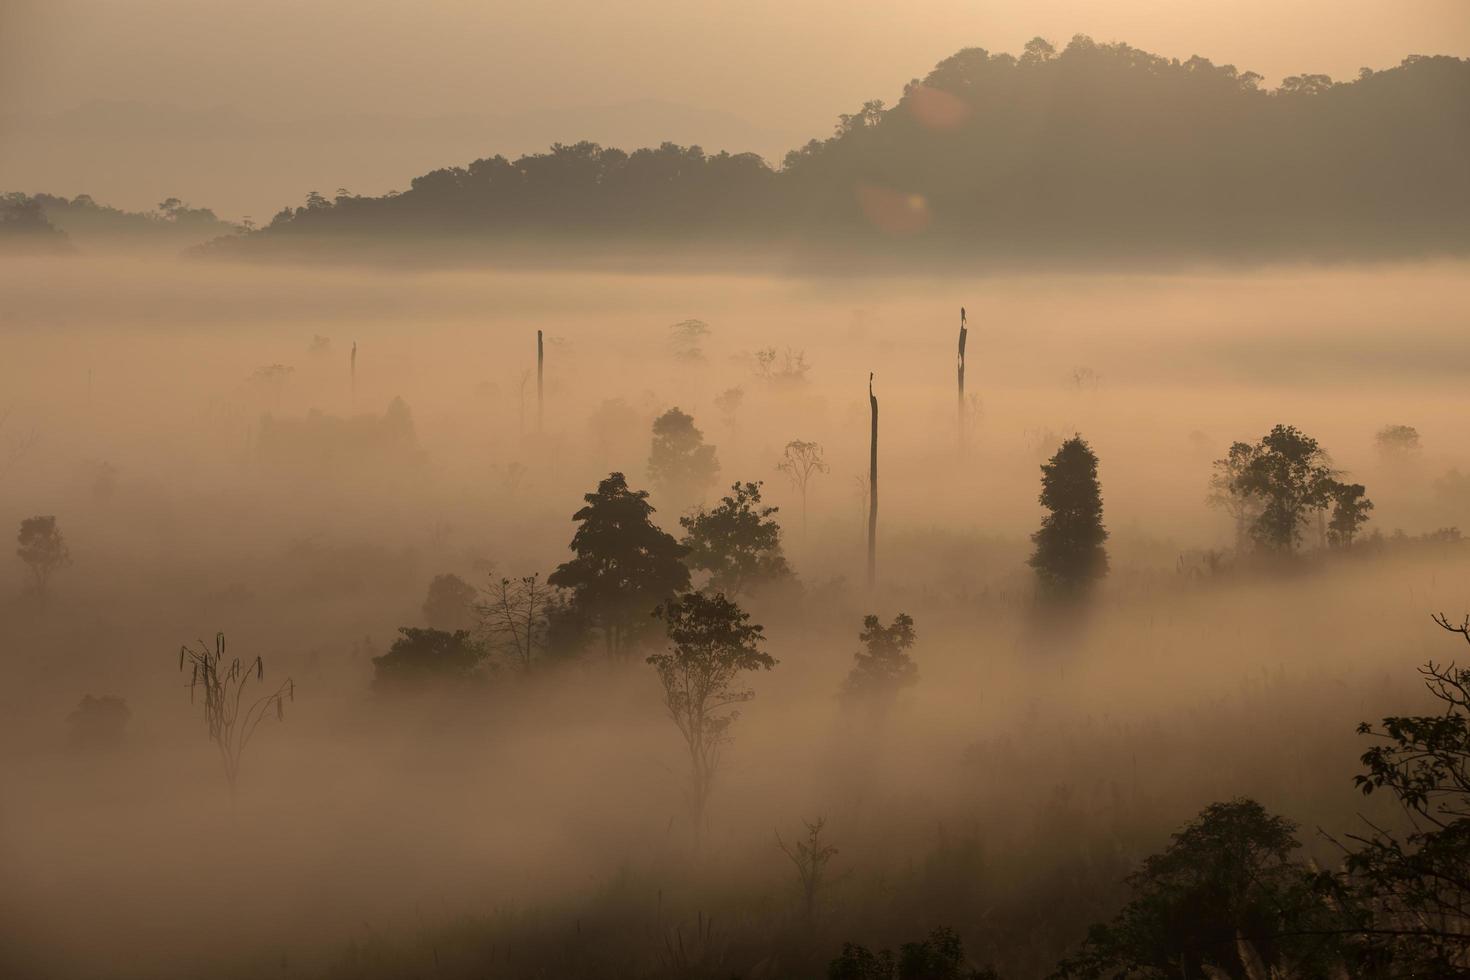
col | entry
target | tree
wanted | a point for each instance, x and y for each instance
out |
(711, 643)
(810, 858)
(449, 604)
(680, 465)
(1228, 493)
(1396, 442)
(428, 658)
(1288, 473)
(872, 485)
(1069, 554)
(1225, 894)
(15, 447)
(686, 338)
(515, 619)
(738, 542)
(883, 667)
(939, 957)
(625, 565)
(1349, 512)
(43, 549)
(799, 462)
(233, 709)
(1410, 892)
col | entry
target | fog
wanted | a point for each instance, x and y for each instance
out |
(541, 820)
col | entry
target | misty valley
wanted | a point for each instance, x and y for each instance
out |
(1018, 535)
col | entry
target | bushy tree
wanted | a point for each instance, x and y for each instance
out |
(428, 658)
(449, 604)
(738, 542)
(711, 642)
(1410, 892)
(43, 550)
(1288, 474)
(1225, 894)
(680, 464)
(939, 957)
(624, 567)
(1397, 441)
(1069, 555)
(883, 667)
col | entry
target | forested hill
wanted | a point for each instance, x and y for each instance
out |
(1097, 149)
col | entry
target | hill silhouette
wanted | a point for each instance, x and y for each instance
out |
(1097, 149)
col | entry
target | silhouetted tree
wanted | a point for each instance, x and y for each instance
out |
(625, 565)
(1410, 892)
(1228, 492)
(810, 857)
(1225, 894)
(680, 465)
(939, 957)
(960, 371)
(1288, 473)
(711, 643)
(421, 659)
(1349, 512)
(515, 619)
(738, 542)
(1069, 554)
(233, 710)
(450, 603)
(43, 550)
(686, 338)
(800, 462)
(872, 485)
(883, 667)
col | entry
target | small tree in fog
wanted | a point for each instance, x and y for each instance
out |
(515, 619)
(422, 659)
(14, 445)
(728, 403)
(738, 542)
(810, 856)
(1069, 554)
(625, 565)
(711, 643)
(680, 464)
(800, 462)
(1349, 513)
(883, 666)
(42, 548)
(1395, 442)
(450, 603)
(235, 699)
(686, 339)
(1228, 493)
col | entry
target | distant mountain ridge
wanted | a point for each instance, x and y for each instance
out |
(1097, 149)
(247, 165)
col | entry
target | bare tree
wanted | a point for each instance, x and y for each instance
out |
(873, 487)
(960, 363)
(798, 463)
(15, 446)
(540, 388)
(810, 857)
(513, 618)
(233, 709)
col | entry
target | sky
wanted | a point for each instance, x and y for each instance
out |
(778, 72)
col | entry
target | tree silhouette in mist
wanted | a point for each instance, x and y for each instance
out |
(1069, 556)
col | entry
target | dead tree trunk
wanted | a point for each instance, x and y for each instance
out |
(352, 376)
(540, 364)
(873, 487)
(964, 333)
